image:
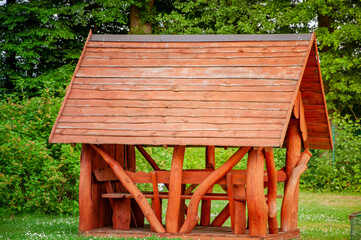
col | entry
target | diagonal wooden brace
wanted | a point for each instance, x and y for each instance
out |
(192, 213)
(132, 188)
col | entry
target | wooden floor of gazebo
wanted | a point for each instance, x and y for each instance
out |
(199, 232)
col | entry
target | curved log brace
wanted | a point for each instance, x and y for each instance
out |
(192, 213)
(272, 190)
(256, 201)
(291, 187)
(132, 188)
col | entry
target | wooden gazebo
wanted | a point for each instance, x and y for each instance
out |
(254, 92)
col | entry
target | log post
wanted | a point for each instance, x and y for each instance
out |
(192, 212)
(221, 217)
(291, 191)
(175, 188)
(206, 204)
(256, 201)
(132, 188)
(240, 219)
(85, 202)
(231, 198)
(293, 153)
(271, 191)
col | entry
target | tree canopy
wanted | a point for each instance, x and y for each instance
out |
(40, 41)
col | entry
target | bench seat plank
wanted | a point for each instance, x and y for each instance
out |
(164, 195)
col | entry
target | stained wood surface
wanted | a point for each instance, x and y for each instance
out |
(200, 232)
(175, 190)
(214, 177)
(85, 187)
(131, 187)
(256, 201)
(206, 205)
(194, 176)
(183, 93)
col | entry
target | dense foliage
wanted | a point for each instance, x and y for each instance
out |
(40, 42)
(343, 169)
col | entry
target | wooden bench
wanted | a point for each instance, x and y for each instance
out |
(194, 177)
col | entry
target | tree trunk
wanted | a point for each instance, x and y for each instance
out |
(136, 25)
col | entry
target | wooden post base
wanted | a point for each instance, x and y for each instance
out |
(199, 232)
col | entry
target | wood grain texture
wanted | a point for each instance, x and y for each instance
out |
(192, 213)
(256, 201)
(175, 187)
(131, 187)
(220, 83)
(206, 205)
(85, 202)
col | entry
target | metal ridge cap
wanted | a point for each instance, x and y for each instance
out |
(199, 38)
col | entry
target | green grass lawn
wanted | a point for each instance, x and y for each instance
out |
(321, 216)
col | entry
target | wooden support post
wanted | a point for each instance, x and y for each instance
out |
(231, 198)
(85, 202)
(192, 213)
(130, 186)
(121, 217)
(182, 208)
(206, 204)
(131, 161)
(256, 201)
(291, 190)
(271, 191)
(293, 153)
(175, 188)
(240, 219)
(156, 204)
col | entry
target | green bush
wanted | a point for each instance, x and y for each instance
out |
(344, 172)
(35, 176)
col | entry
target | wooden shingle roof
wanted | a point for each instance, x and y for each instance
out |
(223, 90)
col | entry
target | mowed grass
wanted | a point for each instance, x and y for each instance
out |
(321, 216)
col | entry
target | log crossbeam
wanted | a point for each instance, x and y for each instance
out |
(132, 188)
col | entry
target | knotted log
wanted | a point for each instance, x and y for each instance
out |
(192, 213)
(175, 190)
(271, 191)
(291, 191)
(256, 201)
(132, 188)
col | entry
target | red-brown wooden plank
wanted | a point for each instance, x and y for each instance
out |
(225, 82)
(170, 127)
(209, 44)
(191, 62)
(187, 96)
(164, 119)
(174, 134)
(200, 141)
(174, 87)
(236, 49)
(210, 55)
(193, 72)
(177, 104)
